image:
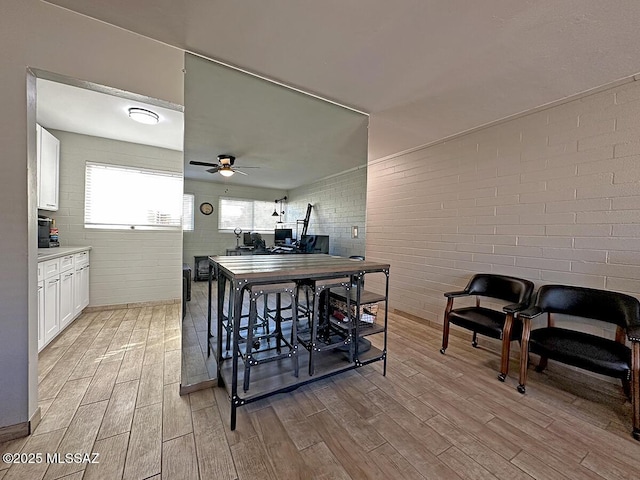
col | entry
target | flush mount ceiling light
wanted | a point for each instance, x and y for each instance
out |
(143, 116)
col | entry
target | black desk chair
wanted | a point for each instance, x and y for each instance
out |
(489, 322)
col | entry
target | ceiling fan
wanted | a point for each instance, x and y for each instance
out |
(224, 166)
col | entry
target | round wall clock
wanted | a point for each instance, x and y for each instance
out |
(206, 208)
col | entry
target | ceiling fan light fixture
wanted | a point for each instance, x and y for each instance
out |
(143, 115)
(225, 171)
(226, 160)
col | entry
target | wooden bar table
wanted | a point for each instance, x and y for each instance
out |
(244, 271)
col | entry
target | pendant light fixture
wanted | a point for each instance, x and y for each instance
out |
(278, 211)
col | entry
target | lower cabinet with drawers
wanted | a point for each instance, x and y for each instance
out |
(63, 290)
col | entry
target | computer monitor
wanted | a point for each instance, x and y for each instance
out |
(246, 239)
(314, 243)
(281, 235)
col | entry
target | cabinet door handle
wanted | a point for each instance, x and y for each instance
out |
(40, 288)
(51, 282)
(68, 275)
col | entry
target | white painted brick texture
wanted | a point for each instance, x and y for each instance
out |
(126, 266)
(206, 239)
(338, 205)
(553, 197)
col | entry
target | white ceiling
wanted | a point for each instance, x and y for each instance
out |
(292, 138)
(423, 69)
(80, 110)
(288, 138)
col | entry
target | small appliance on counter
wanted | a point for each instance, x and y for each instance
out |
(47, 233)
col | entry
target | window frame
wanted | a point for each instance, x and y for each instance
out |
(186, 199)
(172, 179)
(254, 202)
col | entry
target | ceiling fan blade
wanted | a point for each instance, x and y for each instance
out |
(204, 164)
(238, 171)
(245, 167)
(214, 169)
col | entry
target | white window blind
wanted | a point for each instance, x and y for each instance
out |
(125, 197)
(187, 212)
(249, 215)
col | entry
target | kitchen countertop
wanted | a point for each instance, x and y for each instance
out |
(56, 252)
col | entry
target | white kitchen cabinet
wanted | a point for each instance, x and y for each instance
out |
(67, 304)
(51, 322)
(50, 268)
(48, 153)
(81, 294)
(41, 310)
(67, 263)
(63, 292)
(67, 290)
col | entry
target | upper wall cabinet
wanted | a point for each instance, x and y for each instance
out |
(48, 169)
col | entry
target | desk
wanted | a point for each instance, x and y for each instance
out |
(239, 251)
(279, 250)
(243, 271)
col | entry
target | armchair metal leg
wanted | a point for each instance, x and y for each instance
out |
(474, 341)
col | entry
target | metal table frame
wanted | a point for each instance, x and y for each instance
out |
(244, 271)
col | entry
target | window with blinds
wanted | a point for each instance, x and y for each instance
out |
(188, 203)
(249, 215)
(134, 198)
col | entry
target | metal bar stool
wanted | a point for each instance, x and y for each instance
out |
(227, 320)
(251, 351)
(321, 336)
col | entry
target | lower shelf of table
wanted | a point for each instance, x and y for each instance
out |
(277, 376)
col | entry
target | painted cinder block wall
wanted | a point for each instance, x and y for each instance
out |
(127, 266)
(206, 239)
(552, 196)
(339, 203)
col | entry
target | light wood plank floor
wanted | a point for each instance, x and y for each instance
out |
(110, 385)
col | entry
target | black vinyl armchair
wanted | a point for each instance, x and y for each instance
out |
(617, 358)
(500, 324)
